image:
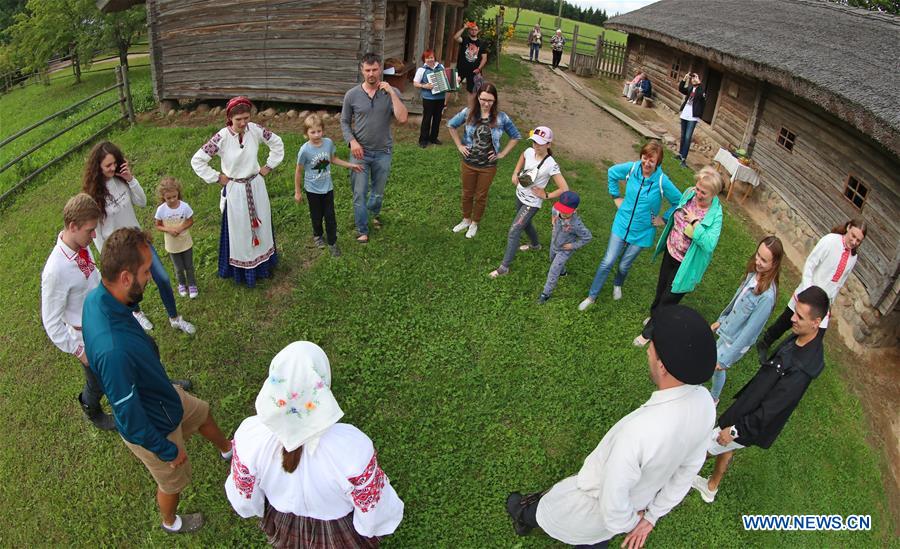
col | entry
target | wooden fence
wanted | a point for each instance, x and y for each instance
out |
(607, 58)
(123, 101)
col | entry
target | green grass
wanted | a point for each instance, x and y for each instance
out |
(25, 106)
(467, 387)
(527, 19)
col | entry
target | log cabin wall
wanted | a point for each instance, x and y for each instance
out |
(299, 51)
(737, 96)
(811, 180)
(395, 31)
(659, 61)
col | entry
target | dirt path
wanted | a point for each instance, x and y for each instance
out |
(580, 129)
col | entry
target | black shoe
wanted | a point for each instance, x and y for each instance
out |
(102, 421)
(183, 383)
(762, 350)
(514, 508)
(543, 298)
(684, 163)
(564, 273)
(437, 142)
(423, 144)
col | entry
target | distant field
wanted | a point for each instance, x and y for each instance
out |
(529, 18)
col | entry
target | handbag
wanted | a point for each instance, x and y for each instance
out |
(526, 176)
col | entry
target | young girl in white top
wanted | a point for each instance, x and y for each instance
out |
(533, 172)
(109, 181)
(313, 481)
(174, 217)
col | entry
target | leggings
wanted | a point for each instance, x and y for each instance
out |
(184, 267)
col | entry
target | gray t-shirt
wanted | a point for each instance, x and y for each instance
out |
(370, 117)
(482, 146)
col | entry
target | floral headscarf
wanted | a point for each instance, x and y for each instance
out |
(234, 102)
(295, 401)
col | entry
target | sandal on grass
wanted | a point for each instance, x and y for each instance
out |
(363, 239)
(498, 272)
(376, 223)
(529, 247)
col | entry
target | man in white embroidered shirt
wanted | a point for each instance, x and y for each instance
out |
(68, 276)
(645, 463)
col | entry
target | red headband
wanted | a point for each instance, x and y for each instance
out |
(234, 102)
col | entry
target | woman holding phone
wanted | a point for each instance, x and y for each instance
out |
(109, 181)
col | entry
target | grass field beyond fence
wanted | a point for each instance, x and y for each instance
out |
(468, 388)
(527, 19)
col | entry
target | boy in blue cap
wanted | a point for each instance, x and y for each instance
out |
(569, 234)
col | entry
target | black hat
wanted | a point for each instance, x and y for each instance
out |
(684, 343)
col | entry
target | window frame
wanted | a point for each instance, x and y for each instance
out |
(675, 69)
(855, 191)
(786, 136)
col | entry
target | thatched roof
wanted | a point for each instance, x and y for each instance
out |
(842, 59)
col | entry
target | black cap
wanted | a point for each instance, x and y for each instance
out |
(684, 343)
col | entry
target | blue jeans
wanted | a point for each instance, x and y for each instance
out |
(522, 222)
(687, 133)
(613, 251)
(368, 195)
(533, 51)
(718, 381)
(163, 284)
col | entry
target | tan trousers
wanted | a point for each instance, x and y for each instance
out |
(475, 185)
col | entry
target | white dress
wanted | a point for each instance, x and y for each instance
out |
(249, 214)
(340, 477)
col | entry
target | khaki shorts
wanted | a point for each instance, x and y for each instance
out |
(169, 480)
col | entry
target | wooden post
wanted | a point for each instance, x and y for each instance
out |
(439, 34)
(124, 93)
(749, 139)
(121, 90)
(598, 52)
(498, 22)
(574, 47)
(422, 28)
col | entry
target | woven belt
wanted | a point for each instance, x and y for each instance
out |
(251, 207)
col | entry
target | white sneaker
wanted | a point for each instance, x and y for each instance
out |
(640, 341)
(461, 226)
(617, 293)
(181, 324)
(587, 302)
(473, 228)
(143, 320)
(646, 320)
(702, 485)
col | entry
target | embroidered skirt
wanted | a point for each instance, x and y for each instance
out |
(287, 530)
(240, 275)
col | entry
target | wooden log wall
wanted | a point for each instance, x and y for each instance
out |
(301, 51)
(811, 180)
(395, 30)
(734, 108)
(656, 59)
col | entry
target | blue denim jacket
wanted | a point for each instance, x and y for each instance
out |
(504, 124)
(742, 321)
(569, 231)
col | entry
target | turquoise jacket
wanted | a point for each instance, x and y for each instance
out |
(642, 200)
(706, 236)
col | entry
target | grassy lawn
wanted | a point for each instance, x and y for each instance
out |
(529, 18)
(468, 388)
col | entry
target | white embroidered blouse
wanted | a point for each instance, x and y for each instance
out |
(341, 476)
(239, 155)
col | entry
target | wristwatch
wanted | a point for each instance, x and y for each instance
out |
(733, 432)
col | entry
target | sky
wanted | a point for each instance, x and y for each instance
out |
(612, 6)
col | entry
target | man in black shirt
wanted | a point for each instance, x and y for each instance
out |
(762, 407)
(472, 55)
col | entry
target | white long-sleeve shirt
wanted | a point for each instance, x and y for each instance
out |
(239, 156)
(646, 461)
(341, 476)
(820, 268)
(123, 197)
(65, 282)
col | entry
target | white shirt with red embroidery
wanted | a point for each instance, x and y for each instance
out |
(341, 476)
(820, 268)
(65, 282)
(239, 154)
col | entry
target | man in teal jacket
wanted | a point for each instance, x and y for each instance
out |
(153, 416)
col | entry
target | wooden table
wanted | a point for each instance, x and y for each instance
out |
(737, 172)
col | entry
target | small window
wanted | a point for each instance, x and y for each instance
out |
(675, 71)
(855, 191)
(786, 139)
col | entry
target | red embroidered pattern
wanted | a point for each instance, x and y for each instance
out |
(368, 485)
(267, 133)
(243, 480)
(253, 263)
(841, 266)
(212, 146)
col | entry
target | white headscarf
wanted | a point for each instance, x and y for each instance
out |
(295, 401)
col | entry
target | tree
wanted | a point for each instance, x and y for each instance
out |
(885, 6)
(47, 27)
(122, 29)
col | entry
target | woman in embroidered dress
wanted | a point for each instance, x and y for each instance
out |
(109, 181)
(246, 244)
(686, 244)
(313, 481)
